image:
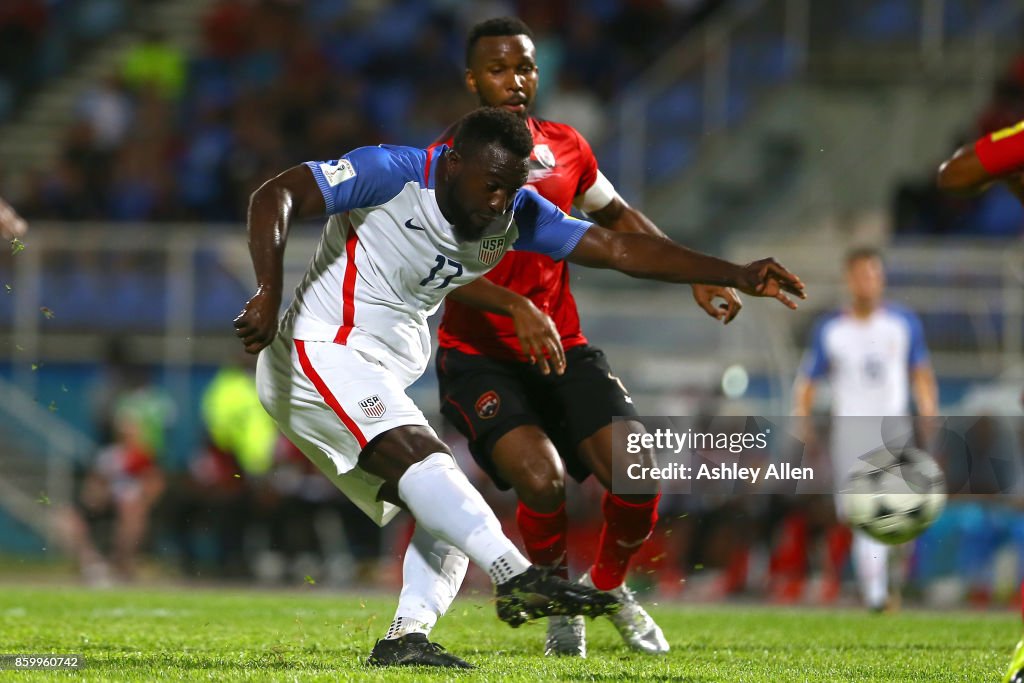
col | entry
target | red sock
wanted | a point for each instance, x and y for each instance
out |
(544, 535)
(1022, 599)
(838, 540)
(626, 527)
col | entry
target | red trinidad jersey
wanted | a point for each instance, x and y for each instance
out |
(1002, 151)
(562, 167)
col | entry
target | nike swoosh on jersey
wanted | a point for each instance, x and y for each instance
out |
(412, 226)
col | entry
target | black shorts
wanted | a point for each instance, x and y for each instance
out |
(486, 398)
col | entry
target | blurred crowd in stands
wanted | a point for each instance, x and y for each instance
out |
(169, 135)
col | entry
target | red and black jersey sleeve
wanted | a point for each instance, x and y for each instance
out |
(1002, 151)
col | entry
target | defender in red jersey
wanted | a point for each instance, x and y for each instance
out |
(522, 421)
(998, 156)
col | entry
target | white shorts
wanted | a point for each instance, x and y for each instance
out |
(330, 401)
(855, 438)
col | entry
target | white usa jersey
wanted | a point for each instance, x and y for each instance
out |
(388, 257)
(867, 360)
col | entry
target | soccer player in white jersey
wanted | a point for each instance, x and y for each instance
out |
(405, 227)
(874, 356)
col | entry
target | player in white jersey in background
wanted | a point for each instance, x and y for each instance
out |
(407, 226)
(873, 355)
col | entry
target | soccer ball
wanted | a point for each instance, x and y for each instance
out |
(894, 497)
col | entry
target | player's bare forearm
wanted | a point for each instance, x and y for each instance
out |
(487, 296)
(926, 390)
(647, 257)
(621, 217)
(963, 174)
(803, 397)
(539, 339)
(656, 258)
(292, 195)
(12, 226)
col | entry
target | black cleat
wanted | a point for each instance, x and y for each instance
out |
(413, 649)
(538, 593)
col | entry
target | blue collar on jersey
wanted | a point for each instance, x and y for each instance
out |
(434, 153)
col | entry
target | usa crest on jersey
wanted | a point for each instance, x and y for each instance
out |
(491, 249)
(373, 406)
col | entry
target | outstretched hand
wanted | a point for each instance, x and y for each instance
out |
(705, 296)
(768, 278)
(12, 225)
(256, 325)
(538, 338)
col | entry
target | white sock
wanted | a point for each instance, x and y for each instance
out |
(447, 506)
(432, 573)
(403, 626)
(871, 565)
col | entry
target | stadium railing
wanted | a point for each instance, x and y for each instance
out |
(713, 79)
(37, 457)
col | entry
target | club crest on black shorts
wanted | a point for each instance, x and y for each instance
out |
(487, 405)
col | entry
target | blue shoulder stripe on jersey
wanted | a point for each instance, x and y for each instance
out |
(917, 349)
(367, 176)
(815, 364)
(543, 227)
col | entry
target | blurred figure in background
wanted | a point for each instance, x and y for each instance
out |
(124, 483)
(215, 498)
(874, 355)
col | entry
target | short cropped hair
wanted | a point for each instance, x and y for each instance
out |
(488, 125)
(862, 254)
(498, 26)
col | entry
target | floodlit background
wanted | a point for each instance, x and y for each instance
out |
(133, 131)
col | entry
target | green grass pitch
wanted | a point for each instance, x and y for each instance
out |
(318, 635)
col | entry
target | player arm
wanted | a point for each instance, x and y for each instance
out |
(804, 391)
(974, 167)
(922, 378)
(653, 258)
(615, 214)
(813, 368)
(963, 173)
(291, 195)
(12, 225)
(538, 336)
(925, 389)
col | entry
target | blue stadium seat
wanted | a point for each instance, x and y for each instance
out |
(680, 106)
(737, 104)
(888, 20)
(218, 295)
(957, 18)
(667, 157)
(6, 99)
(95, 19)
(999, 215)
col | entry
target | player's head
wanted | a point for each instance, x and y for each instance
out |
(486, 166)
(865, 276)
(501, 64)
